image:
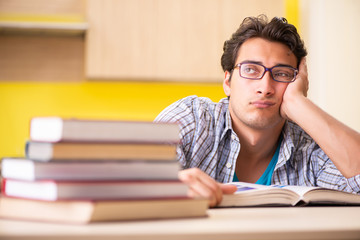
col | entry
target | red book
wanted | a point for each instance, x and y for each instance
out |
(25, 169)
(109, 190)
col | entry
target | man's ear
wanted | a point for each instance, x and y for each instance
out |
(226, 83)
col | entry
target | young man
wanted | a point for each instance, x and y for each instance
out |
(266, 130)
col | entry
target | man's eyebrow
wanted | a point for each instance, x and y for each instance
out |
(251, 61)
(259, 62)
(283, 65)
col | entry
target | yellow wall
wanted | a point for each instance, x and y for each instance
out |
(292, 12)
(97, 100)
(20, 101)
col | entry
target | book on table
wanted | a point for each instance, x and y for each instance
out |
(81, 171)
(86, 211)
(46, 151)
(56, 129)
(26, 169)
(249, 194)
(52, 190)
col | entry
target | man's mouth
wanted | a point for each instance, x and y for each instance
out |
(262, 103)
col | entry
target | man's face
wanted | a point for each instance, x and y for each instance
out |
(256, 103)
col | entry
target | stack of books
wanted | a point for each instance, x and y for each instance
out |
(82, 171)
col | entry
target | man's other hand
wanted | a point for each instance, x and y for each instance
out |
(202, 185)
(294, 90)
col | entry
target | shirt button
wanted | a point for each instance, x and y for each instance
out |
(228, 165)
(233, 137)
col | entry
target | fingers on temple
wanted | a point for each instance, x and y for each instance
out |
(303, 65)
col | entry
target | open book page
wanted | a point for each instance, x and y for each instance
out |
(320, 195)
(243, 186)
(250, 194)
(300, 190)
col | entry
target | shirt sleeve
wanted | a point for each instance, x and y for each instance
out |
(182, 113)
(327, 175)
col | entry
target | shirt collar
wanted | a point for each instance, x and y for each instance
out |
(228, 122)
(287, 146)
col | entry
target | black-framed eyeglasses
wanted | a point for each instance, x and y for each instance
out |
(256, 71)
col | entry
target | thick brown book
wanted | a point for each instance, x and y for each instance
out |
(43, 151)
(59, 190)
(82, 212)
(55, 129)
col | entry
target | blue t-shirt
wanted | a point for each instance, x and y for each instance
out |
(265, 179)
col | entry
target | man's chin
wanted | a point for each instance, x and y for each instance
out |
(262, 123)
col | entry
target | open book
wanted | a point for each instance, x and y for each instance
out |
(249, 194)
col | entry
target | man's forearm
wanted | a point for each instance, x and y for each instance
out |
(338, 141)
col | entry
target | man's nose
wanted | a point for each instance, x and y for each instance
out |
(266, 84)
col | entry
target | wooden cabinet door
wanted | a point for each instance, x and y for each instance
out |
(177, 40)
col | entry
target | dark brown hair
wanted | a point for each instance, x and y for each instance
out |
(277, 30)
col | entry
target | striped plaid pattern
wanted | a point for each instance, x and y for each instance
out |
(210, 143)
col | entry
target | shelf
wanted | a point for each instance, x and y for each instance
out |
(8, 27)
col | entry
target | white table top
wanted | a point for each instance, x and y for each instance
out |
(229, 223)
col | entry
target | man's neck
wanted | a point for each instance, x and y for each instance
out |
(257, 149)
(257, 144)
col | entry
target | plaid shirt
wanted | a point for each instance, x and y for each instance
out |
(210, 143)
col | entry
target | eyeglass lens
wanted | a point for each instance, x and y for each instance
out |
(278, 73)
